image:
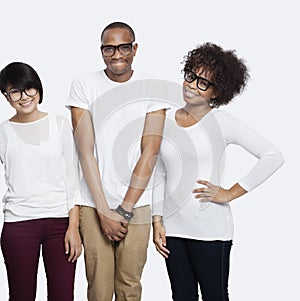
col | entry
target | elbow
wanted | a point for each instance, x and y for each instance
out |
(281, 159)
(150, 151)
(150, 156)
(276, 156)
(85, 154)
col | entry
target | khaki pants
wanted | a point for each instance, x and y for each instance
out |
(115, 267)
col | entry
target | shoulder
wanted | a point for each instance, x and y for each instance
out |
(89, 77)
(137, 75)
(3, 135)
(221, 113)
(141, 75)
(3, 126)
(223, 116)
(228, 124)
(60, 120)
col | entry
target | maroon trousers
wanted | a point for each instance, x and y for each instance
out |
(21, 243)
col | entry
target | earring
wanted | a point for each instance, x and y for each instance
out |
(212, 102)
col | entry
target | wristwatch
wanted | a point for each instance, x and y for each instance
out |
(126, 214)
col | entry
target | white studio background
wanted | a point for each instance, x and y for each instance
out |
(60, 39)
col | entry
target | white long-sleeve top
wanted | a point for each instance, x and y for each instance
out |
(198, 152)
(38, 160)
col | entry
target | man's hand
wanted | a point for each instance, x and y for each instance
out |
(113, 225)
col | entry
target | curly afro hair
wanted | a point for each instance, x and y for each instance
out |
(229, 73)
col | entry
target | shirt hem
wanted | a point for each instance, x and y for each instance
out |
(222, 238)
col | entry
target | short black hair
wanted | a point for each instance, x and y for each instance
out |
(20, 76)
(229, 73)
(121, 25)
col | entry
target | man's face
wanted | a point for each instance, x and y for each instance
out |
(118, 63)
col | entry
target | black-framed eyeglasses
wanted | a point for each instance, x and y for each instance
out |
(202, 83)
(124, 49)
(16, 94)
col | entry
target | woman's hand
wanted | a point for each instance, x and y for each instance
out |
(73, 246)
(217, 194)
(113, 225)
(211, 193)
(159, 238)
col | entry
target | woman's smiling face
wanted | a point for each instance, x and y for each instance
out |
(27, 99)
(192, 94)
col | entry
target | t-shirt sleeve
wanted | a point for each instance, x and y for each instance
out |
(269, 157)
(154, 105)
(78, 96)
(156, 92)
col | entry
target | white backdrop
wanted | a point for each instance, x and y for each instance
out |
(60, 39)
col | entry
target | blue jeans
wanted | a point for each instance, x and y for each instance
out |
(192, 262)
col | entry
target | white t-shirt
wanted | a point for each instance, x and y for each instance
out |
(118, 111)
(198, 152)
(38, 160)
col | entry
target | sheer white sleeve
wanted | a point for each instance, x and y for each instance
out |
(3, 143)
(158, 190)
(71, 164)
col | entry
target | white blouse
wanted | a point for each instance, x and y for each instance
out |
(39, 161)
(188, 154)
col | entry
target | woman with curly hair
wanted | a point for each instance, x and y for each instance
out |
(192, 220)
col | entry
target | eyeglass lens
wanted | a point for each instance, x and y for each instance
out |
(124, 49)
(16, 94)
(202, 83)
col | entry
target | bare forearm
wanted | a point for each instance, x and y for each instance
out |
(151, 140)
(139, 180)
(84, 138)
(236, 191)
(85, 142)
(91, 174)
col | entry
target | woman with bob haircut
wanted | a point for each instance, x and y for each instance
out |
(36, 149)
(192, 220)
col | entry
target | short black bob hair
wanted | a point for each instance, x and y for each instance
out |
(20, 76)
(229, 73)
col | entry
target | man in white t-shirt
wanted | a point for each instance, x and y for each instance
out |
(115, 215)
